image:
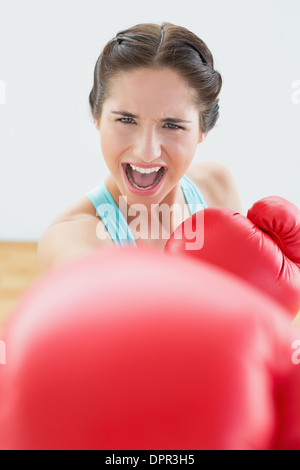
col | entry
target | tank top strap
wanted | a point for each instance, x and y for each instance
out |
(111, 216)
(115, 222)
(192, 194)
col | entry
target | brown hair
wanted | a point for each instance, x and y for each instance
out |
(154, 46)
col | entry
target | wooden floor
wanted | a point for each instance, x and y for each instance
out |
(19, 268)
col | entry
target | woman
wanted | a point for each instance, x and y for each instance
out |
(153, 101)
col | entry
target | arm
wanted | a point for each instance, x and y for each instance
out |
(62, 242)
(68, 239)
(217, 185)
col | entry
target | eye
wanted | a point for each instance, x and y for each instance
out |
(126, 120)
(173, 126)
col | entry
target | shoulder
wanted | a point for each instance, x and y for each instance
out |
(73, 233)
(217, 185)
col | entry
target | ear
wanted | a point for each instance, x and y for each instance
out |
(96, 122)
(202, 136)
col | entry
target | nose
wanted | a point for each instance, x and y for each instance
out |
(147, 147)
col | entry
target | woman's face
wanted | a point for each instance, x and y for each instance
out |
(149, 132)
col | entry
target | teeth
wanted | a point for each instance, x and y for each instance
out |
(145, 170)
(157, 178)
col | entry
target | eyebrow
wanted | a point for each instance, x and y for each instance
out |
(135, 116)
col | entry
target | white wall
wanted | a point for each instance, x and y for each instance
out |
(49, 149)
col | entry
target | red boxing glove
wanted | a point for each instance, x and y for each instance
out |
(154, 353)
(262, 248)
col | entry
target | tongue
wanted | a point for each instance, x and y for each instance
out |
(143, 179)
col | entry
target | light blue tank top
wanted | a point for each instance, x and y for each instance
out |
(115, 222)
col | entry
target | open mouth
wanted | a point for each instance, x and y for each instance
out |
(144, 179)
